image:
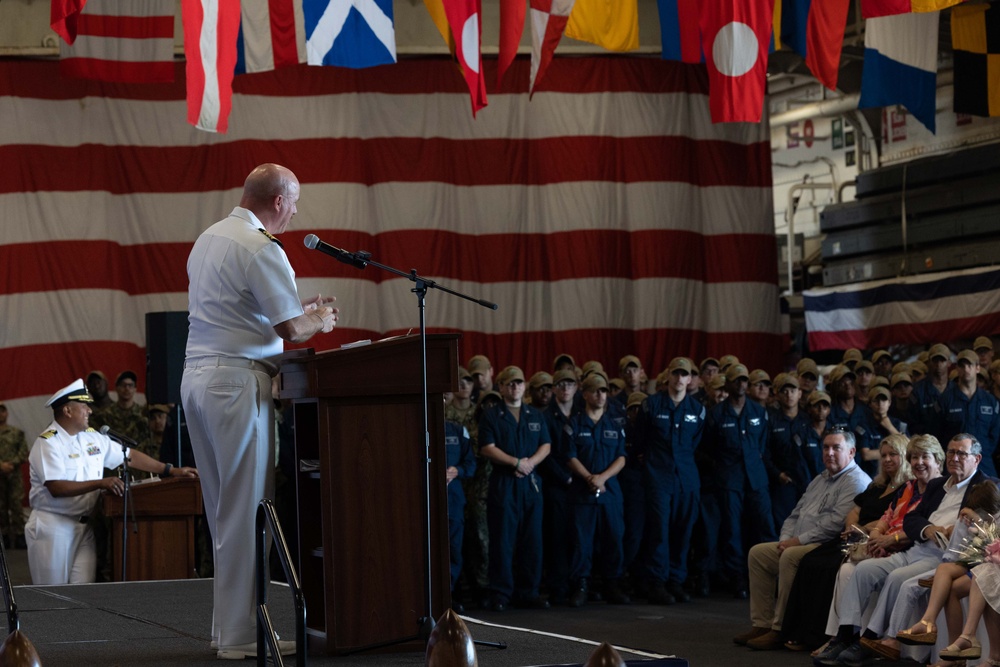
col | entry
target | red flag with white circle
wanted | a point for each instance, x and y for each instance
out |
(735, 38)
(464, 17)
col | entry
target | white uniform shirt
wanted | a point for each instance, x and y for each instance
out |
(57, 455)
(237, 274)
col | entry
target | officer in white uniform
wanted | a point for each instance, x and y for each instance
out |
(67, 474)
(242, 303)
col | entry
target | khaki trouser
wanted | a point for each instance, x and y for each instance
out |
(766, 565)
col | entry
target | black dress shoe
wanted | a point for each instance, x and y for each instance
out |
(496, 603)
(614, 594)
(457, 607)
(537, 602)
(658, 594)
(579, 596)
(680, 595)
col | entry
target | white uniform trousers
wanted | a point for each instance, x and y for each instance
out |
(230, 417)
(60, 549)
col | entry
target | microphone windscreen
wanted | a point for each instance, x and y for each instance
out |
(311, 241)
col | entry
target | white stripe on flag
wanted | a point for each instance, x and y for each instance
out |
(905, 38)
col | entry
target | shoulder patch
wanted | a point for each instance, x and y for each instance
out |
(48, 434)
(270, 236)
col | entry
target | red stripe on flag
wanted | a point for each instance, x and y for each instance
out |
(396, 159)
(118, 70)
(127, 27)
(915, 333)
(154, 268)
(39, 370)
(283, 39)
(410, 76)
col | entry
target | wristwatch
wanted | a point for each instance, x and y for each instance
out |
(166, 471)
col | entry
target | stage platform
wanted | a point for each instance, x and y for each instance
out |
(169, 622)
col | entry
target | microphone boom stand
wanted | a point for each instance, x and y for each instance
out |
(361, 260)
(125, 497)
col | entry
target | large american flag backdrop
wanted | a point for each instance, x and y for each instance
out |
(606, 216)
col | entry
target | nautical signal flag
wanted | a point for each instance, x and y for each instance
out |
(815, 30)
(512, 14)
(210, 31)
(975, 39)
(350, 33)
(679, 31)
(735, 37)
(548, 22)
(610, 24)
(874, 8)
(460, 24)
(900, 64)
(271, 35)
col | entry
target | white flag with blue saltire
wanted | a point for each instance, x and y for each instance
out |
(350, 33)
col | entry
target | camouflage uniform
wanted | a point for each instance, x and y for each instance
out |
(13, 449)
(477, 536)
(130, 422)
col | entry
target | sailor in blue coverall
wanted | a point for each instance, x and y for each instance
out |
(671, 425)
(595, 446)
(515, 437)
(557, 523)
(965, 408)
(736, 436)
(461, 464)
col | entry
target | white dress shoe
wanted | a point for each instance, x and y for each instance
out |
(242, 651)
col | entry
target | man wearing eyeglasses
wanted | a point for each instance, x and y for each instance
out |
(928, 528)
(515, 437)
(818, 516)
(670, 429)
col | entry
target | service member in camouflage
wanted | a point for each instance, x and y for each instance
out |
(125, 416)
(13, 452)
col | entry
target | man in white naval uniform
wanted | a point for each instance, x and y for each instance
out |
(67, 474)
(242, 304)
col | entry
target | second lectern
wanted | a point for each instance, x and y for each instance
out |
(362, 533)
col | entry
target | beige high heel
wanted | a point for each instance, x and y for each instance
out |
(914, 638)
(953, 652)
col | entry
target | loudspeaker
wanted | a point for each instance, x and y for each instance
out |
(166, 339)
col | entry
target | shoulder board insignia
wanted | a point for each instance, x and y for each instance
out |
(270, 236)
(48, 434)
(90, 430)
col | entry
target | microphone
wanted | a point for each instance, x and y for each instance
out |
(313, 243)
(117, 437)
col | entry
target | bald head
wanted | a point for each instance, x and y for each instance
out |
(271, 192)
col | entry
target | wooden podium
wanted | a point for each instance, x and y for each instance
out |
(163, 547)
(359, 441)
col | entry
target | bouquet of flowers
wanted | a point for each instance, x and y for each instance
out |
(982, 544)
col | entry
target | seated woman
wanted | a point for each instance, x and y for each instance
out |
(984, 603)
(812, 590)
(926, 458)
(951, 580)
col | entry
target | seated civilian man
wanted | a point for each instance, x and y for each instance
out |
(818, 517)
